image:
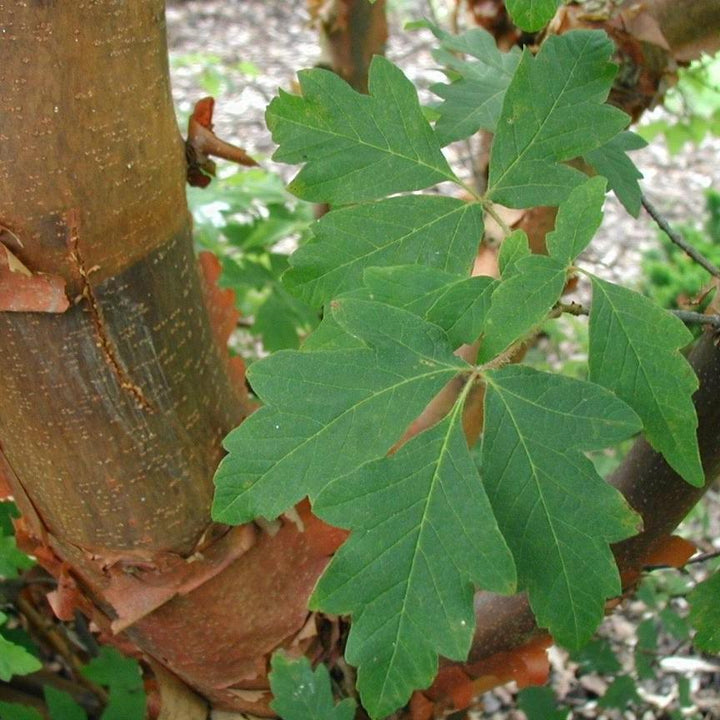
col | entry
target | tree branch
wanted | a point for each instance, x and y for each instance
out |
(663, 224)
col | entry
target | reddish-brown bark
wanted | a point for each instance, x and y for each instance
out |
(351, 32)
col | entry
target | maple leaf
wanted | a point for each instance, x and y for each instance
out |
(578, 219)
(356, 147)
(554, 110)
(532, 15)
(611, 160)
(458, 305)
(403, 575)
(474, 100)
(303, 694)
(521, 301)
(328, 412)
(556, 514)
(434, 231)
(634, 351)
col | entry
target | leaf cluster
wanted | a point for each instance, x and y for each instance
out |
(367, 418)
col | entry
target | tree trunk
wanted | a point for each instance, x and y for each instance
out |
(112, 411)
(351, 32)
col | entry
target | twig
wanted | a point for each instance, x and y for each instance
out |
(663, 224)
(696, 318)
(49, 632)
(687, 316)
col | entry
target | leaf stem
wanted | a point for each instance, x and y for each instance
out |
(487, 206)
(678, 239)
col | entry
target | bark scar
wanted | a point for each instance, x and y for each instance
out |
(105, 343)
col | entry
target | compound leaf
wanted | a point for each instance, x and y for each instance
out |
(521, 302)
(557, 515)
(356, 147)
(577, 221)
(423, 536)
(474, 100)
(611, 160)
(303, 694)
(634, 351)
(554, 110)
(434, 231)
(328, 412)
(705, 614)
(532, 15)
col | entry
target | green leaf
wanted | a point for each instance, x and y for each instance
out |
(437, 231)
(646, 649)
(553, 111)
(14, 659)
(13, 711)
(621, 693)
(458, 306)
(301, 694)
(281, 317)
(414, 288)
(597, 656)
(356, 147)
(557, 515)
(540, 703)
(11, 559)
(62, 706)
(705, 614)
(423, 536)
(329, 411)
(514, 247)
(634, 351)
(123, 678)
(611, 160)
(521, 302)
(578, 220)
(474, 100)
(532, 15)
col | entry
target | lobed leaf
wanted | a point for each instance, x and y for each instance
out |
(327, 412)
(356, 147)
(554, 110)
(458, 305)
(474, 100)
(521, 302)
(423, 536)
(532, 15)
(577, 221)
(555, 512)
(611, 160)
(434, 231)
(514, 247)
(303, 694)
(634, 351)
